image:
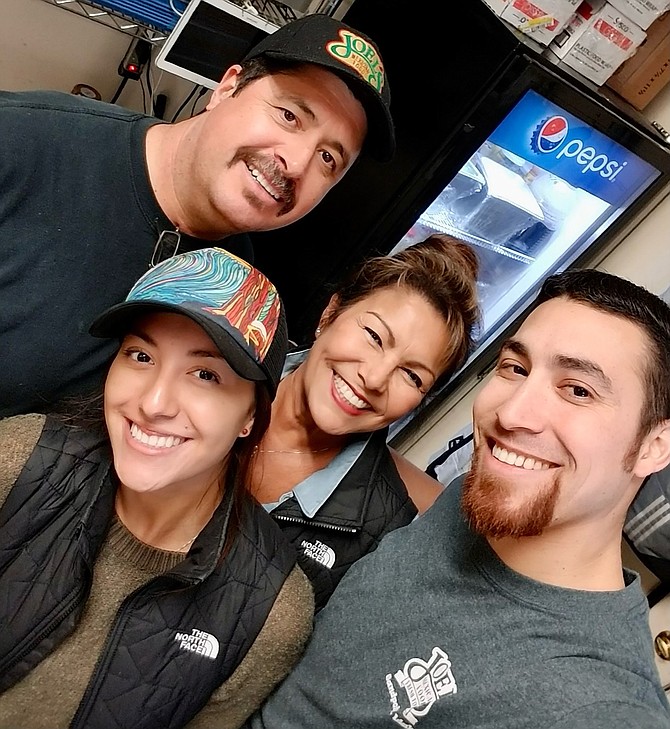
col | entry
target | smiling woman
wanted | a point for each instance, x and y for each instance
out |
(387, 337)
(172, 597)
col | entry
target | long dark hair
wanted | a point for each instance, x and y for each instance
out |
(236, 476)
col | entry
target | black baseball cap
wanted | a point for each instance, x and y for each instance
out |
(350, 54)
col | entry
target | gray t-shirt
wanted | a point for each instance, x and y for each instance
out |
(433, 631)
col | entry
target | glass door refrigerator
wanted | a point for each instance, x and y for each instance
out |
(498, 145)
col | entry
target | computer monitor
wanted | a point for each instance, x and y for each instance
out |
(209, 37)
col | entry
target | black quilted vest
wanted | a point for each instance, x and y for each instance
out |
(369, 502)
(175, 639)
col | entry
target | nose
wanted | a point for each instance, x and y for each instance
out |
(159, 399)
(297, 157)
(376, 372)
(525, 407)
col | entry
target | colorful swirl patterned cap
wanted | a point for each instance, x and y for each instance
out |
(233, 302)
(350, 54)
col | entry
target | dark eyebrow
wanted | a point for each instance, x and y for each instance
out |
(392, 342)
(307, 109)
(564, 361)
(214, 353)
(585, 366)
(515, 346)
(385, 325)
(141, 334)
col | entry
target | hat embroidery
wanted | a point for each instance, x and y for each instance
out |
(253, 310)
(361, 56)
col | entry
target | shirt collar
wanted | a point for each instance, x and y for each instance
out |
(312, 493)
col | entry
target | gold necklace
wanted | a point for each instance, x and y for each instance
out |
(319, 450)
(185, 544)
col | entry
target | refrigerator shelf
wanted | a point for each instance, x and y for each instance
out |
(444, 224)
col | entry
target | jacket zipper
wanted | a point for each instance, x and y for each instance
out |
(99, 673)
(72, 605)
(320, 524)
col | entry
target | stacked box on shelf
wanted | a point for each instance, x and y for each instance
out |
(641, 77)
(597, 40)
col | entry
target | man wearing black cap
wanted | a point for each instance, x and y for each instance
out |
(92, 194)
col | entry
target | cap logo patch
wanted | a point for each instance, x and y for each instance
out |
(359, 55)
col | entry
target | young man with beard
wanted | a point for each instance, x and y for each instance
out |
(93, 194)
(506, 605)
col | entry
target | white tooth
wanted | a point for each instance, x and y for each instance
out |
(529, 464)
(511, 458)
(160, 443)
(545, 466)
(519, 460)
(348, 394)
(538, 466)
(153, 440)
(263, 183)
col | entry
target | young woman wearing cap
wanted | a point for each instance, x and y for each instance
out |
(140, 587)
(390, 334)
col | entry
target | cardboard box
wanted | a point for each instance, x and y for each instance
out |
(597, 40)
(642, 12)
(540, 19)
(497, 5)
(641, 77)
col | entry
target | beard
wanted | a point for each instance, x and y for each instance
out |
(486, 503)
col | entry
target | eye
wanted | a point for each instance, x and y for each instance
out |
(578, 392)
(207, 376)
(288, 116)
(137, 355)
(328, 158)
(511, 369)
(374, 336)
(413, 377)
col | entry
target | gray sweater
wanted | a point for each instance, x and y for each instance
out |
(433, 631)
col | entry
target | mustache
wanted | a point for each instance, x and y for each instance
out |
(268, 167)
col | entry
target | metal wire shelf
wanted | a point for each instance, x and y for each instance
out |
(111, 19)
(274, 12)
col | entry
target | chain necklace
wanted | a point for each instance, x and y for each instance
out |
(178, 549)
(318, 450)
(185, 544)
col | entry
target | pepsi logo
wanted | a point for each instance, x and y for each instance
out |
(550, 134)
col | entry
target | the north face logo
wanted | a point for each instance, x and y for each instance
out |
(198, 642)
(319, 552)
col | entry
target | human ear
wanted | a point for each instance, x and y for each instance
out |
(225, 87)
(654, 454)
(247, 428)
(329, 312)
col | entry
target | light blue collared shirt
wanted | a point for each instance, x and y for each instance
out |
(313, 492)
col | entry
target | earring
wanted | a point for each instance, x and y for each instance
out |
(318, 331)
(245, 432)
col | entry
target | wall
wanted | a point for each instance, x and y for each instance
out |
(47, 47)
